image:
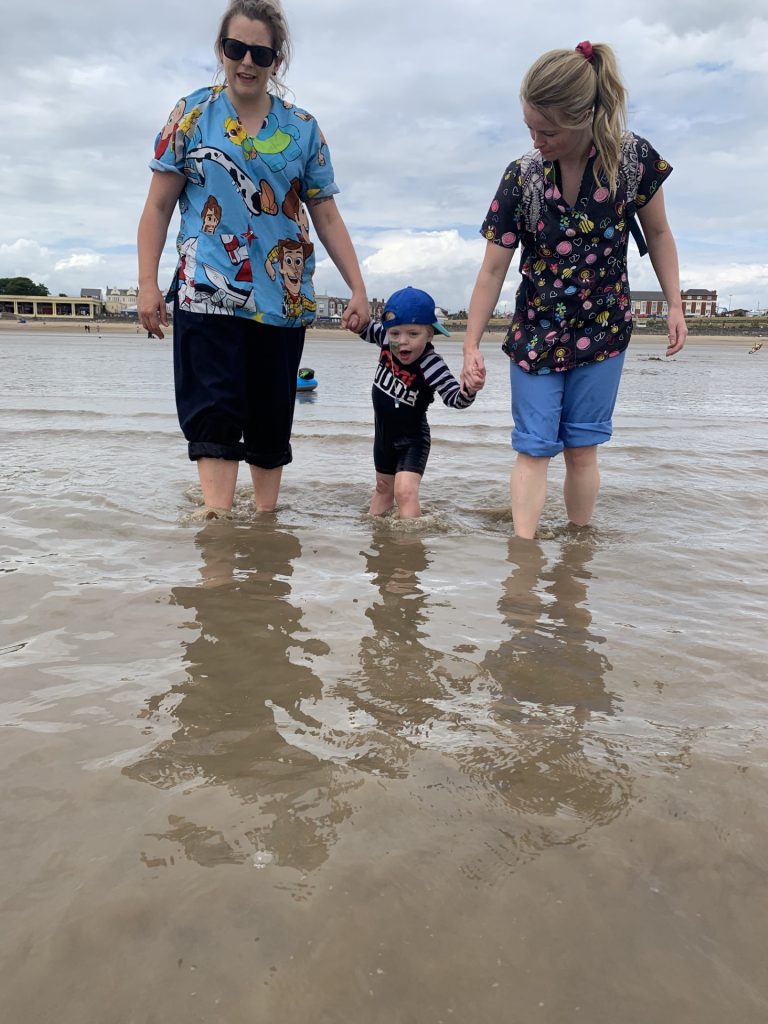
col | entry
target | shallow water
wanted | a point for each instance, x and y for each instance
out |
(312, 766)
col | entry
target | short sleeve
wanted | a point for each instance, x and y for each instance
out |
(654, 171)
(170, 143)
(317, 180)
(505, 221)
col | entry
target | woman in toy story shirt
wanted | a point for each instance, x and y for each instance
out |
(249, 172)
(570, 205)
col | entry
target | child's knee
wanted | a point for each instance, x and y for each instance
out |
(385, 485)
(407, 486)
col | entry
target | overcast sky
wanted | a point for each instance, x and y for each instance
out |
(419, 102)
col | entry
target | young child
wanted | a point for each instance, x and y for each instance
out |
(408, 373)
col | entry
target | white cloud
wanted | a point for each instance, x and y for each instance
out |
(24, 258)
(78, 260)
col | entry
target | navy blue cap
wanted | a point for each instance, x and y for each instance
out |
(411, 306)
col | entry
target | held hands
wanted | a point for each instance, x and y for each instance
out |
(152, 311)
(677, 330)
(472, 377)
(357, 315)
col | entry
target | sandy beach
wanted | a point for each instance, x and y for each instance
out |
(116, 327)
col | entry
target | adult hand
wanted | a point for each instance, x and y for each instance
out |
(472, 377)
(677, 331)
(356, 316)
(152, 311)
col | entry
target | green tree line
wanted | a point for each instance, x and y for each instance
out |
(21, 286)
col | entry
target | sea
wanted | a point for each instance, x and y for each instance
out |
(314, 766)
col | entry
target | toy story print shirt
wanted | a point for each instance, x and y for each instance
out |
(573, 305)
(244, 244)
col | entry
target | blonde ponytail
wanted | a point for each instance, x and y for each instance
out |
(571, 86)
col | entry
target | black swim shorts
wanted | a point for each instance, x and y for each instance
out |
(402, 452)
(235, 384)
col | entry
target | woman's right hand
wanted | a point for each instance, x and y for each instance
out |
(152, 309)
(472, 375)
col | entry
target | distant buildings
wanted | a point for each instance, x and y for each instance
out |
(50, 307)
(121, 300)
(696, 302)
(699, 302)
(330, 308)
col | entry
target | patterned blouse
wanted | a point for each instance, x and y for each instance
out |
(244, 243)
(573, 304)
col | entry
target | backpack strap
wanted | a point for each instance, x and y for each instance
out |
(630, 173)
(532, 178)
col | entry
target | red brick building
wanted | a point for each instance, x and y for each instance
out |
(696, 302)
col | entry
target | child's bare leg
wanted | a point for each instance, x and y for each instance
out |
(384, 496)
(407, 494)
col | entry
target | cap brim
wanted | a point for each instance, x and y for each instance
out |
(441, 330)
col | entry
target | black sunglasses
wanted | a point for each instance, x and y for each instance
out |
(263, 56)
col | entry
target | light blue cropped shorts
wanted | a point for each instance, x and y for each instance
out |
(573, 409)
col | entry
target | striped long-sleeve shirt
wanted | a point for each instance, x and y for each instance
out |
(401, 394)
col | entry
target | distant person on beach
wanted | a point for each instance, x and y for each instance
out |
(407, 375)
(570, 204)
(241, 161)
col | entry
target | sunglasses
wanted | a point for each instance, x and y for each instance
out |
(263, 56)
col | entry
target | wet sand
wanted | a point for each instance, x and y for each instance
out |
(312, 766)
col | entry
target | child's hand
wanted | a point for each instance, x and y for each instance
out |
(472, 376)
(473, 380)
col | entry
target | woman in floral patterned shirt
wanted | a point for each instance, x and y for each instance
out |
(570, 204)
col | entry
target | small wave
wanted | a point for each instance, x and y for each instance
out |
(25, 410)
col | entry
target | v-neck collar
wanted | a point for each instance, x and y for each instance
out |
(584, 188)
(235, 114)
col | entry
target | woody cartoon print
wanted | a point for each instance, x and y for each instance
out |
(244, 243)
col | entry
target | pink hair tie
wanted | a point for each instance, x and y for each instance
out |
(585, 49)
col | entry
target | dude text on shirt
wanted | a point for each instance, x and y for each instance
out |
(395, 380)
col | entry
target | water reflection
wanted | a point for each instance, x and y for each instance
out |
(521, 733)
(551, 659)
(244, 672)
(398, 680)
(551, 677)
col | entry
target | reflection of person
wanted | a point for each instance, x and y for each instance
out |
(517, 729)
(408, 373)
(551, 678)
(238, 336)
(569, 203)
(551, 658)
(241, 682)
(399, 681)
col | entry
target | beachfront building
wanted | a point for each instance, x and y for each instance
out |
(120, 301)
(649, 304)
(49, 307)
(699, 302)
(696, 302)
(330, 308)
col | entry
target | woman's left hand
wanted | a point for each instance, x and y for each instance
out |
(677, 331)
